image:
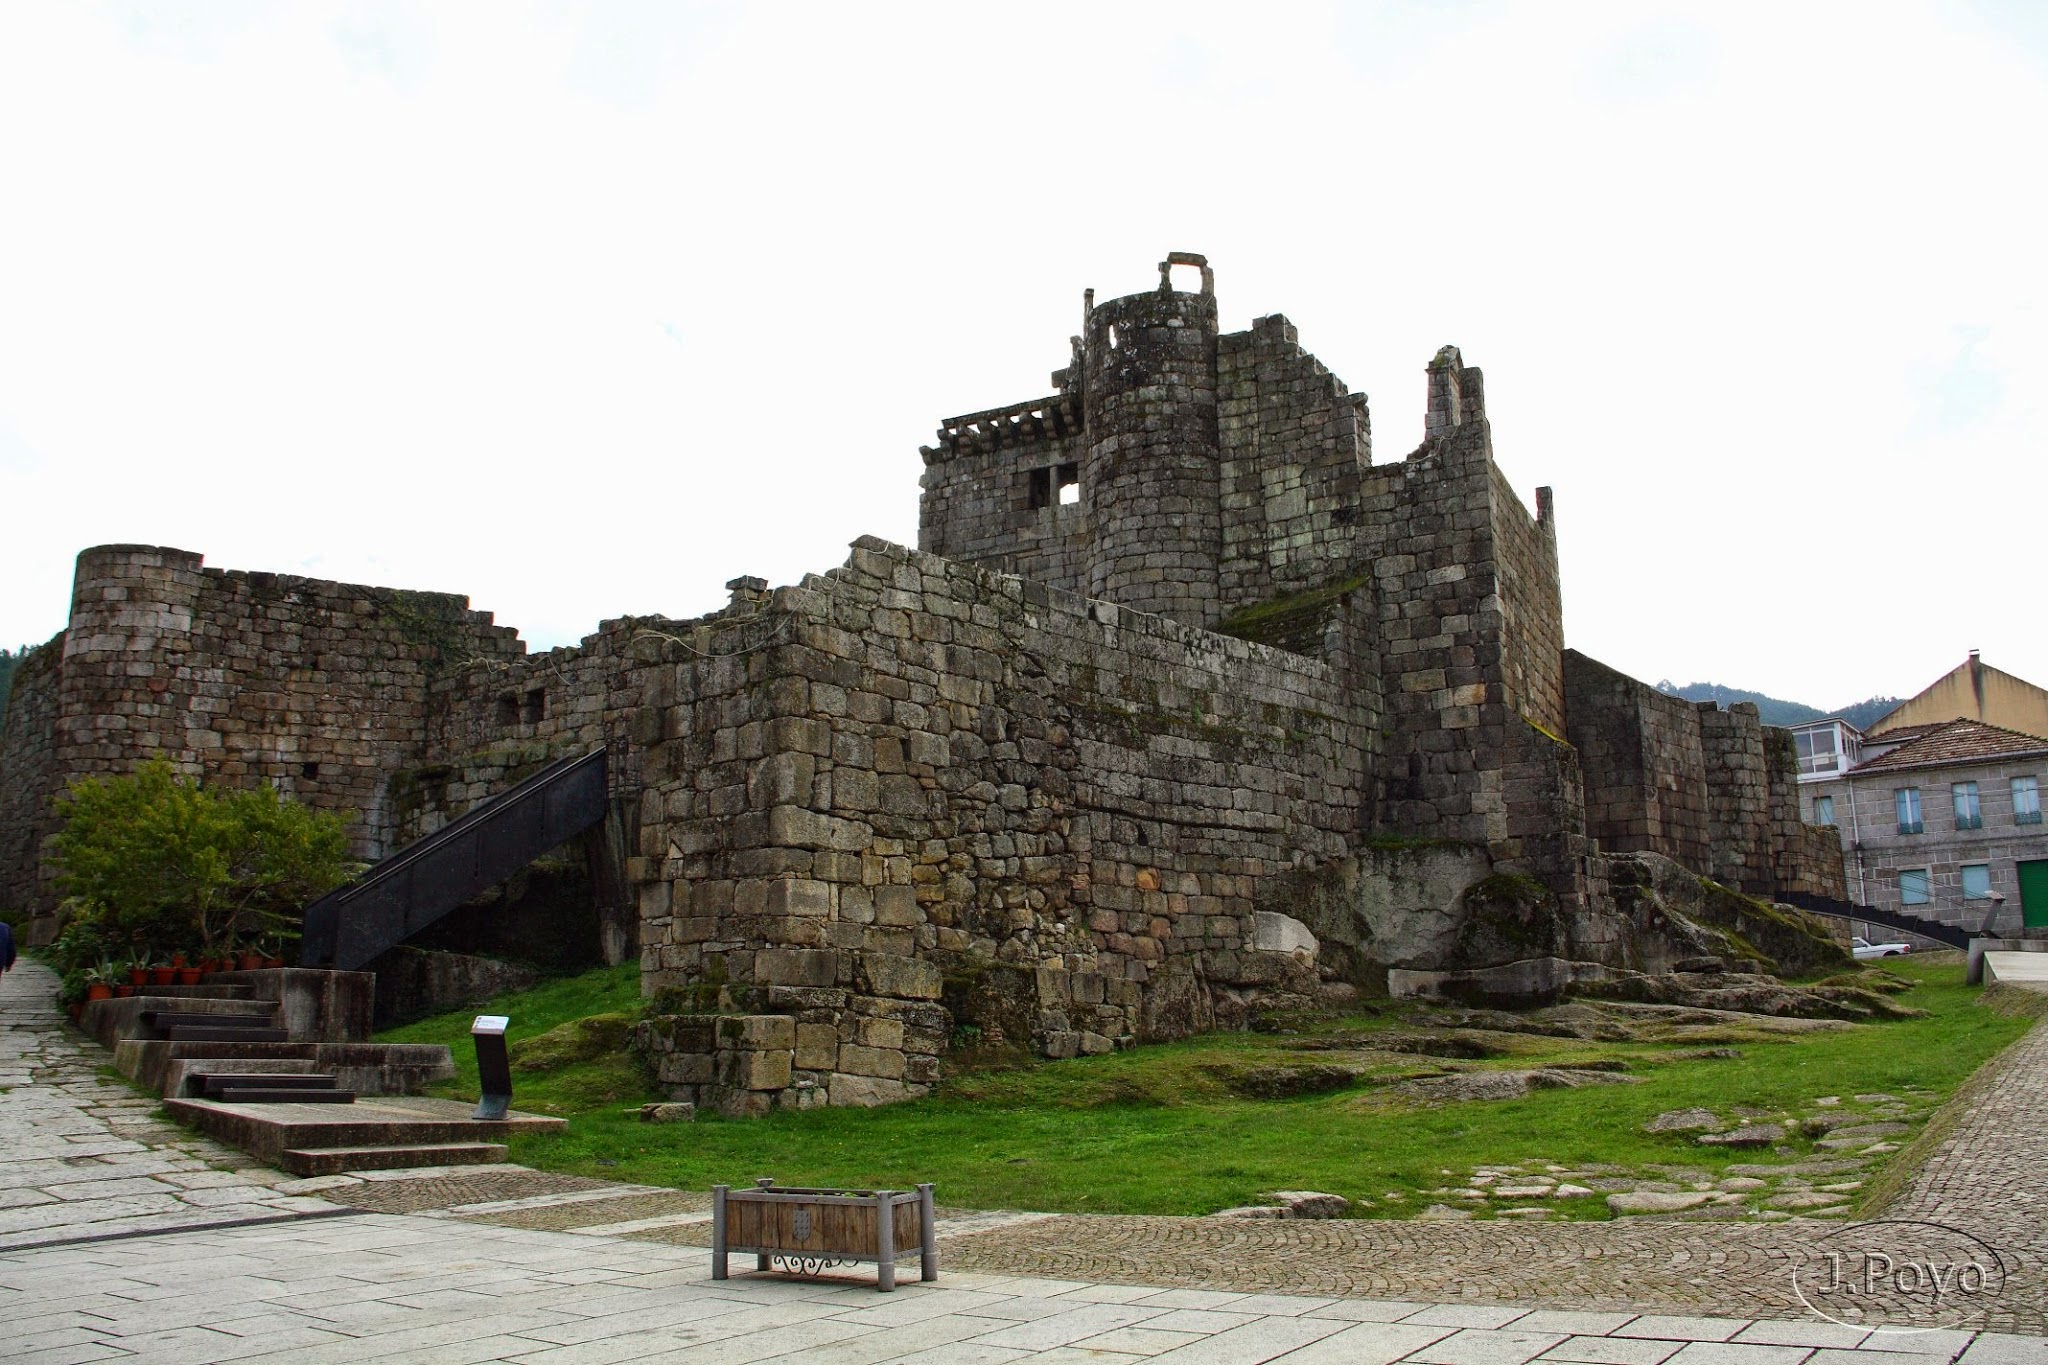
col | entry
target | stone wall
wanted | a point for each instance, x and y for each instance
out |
(1713, 790)
(1742, 841)
(317, 688)
(992, 491)
(500, 721)
(1293, 440)
(1644, 765)
(1062, 812)
(986, 785)
(29, 779)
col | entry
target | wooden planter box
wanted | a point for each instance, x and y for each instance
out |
(808, 1230)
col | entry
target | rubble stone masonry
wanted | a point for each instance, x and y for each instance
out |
(1171, 645)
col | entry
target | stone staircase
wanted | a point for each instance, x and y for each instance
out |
(279, 1063)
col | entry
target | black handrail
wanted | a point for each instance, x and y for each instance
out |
(426, 879)
(1950, 934)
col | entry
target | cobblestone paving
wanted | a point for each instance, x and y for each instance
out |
(418, 1191)
(81, 1156)
(1989, 1177)
(435, 1292)
(456, 1285)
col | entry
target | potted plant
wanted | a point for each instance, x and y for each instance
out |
(251, 957)
(189, 975)
(97, 987)
(163, 974)
(138, 974)
(273, 953)
(122, 990)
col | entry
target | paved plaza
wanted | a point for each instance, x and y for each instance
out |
(125, 1238)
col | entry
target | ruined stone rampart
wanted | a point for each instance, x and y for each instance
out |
(317, 688)
(1713, 790)
(1293, 441)
(29, 775)
(1174, 660)
(942, 770)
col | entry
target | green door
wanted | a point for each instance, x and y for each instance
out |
(2034, 893)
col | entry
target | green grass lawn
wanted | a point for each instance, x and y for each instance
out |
(1159, 1129)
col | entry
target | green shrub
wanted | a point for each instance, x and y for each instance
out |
(155, 864)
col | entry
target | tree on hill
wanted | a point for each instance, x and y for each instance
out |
(1776, 711)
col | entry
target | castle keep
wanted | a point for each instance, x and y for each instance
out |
(1182, 705)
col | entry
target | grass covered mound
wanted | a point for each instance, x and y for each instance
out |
(1401, 1109)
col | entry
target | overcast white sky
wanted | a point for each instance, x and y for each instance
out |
(584, 309)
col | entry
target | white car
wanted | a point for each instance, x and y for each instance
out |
(1864, 948)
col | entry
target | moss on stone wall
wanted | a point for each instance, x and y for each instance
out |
(1775, 936)
(432, 620)
(1296, 622)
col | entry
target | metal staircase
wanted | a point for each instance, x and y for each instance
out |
(425, 880)
(1826, 905)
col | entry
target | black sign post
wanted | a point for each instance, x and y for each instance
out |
(493, 1066)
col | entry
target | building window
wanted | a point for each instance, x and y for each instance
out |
(2026, 801)
(1055, 486)
(1908, 800)
(535, 708)
(1823, 810)
(1817, 752)
(1976, 881)
(1913, 886)
(1969, 812)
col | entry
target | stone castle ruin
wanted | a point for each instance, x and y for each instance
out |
(1183, 707)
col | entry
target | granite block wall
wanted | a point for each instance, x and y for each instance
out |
(1292, 440)
(1644, 765)
(1172, 643)
(317, 688)
(1742, 840)
(29, 766)
(993, 491)
(1069, 808)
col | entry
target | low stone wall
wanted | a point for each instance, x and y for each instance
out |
(413, 983)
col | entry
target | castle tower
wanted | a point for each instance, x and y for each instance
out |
(130, 631)
(1152, 468)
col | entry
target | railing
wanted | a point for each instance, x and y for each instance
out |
(423, 881)
(1826, 905)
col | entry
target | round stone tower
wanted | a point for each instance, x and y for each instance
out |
(122, 693)
(1152, 473)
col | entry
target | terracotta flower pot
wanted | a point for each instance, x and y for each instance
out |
(74, 1009)
(273, 962)
(163, 976)
(99, 990)
(123, 992)
(178, 959)
(138, 976)
(188, 976)
(251, 961)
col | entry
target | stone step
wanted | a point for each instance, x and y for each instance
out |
(337, 1160)
(110, 1021)
(366, 1068)
(268, 1131)
(212, 1085)
(238, 1014)
(194, 1033)
(203, 991)
(276, 1094)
